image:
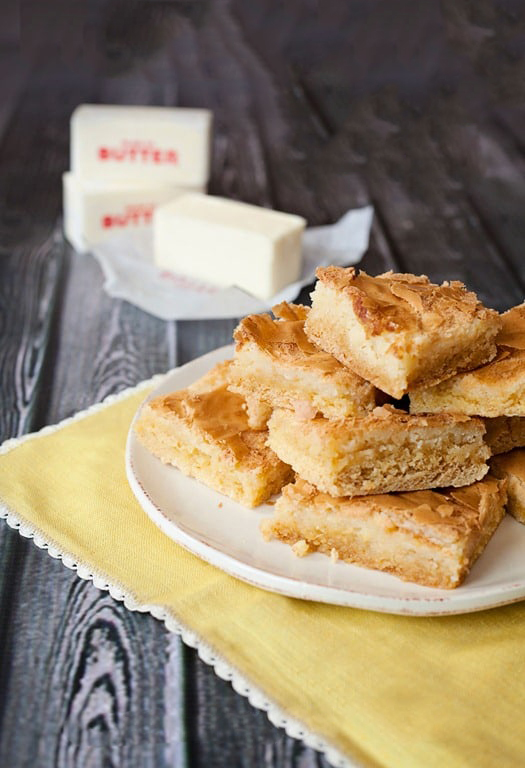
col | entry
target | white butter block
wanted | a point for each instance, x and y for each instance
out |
(229, 243)
(92, 212)
(155, 144)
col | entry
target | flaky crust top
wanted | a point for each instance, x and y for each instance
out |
(383, 417)
(509, 364)
(457, 509)
(284, 339)
(404, 302)
(211, 410)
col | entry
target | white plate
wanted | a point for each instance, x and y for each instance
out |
(227, 535)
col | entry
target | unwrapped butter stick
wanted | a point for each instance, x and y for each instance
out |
(93, 212)
(154, 144)
(229, 243)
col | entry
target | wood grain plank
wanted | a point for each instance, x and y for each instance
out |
(91, 693)
(425, 211)
(197, 337)
(388, 123)
(30, 278)
(112, 344)
(246, 735)
(30, 281)
(14, 71)
(494, 176)
(238, 169)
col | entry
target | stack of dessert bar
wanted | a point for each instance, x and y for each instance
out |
(310, 406)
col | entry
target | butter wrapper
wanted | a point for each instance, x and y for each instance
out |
(130, 273)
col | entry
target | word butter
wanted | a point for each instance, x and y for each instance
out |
(229, 243)
(155, 144)
(93, 212)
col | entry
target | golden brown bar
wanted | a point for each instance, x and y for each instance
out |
(495, 389)
(387, 450)
(277, 365)
(204, 431)
(429, 537)
(400, 331)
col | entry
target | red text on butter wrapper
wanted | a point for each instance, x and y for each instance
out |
(133, 215)
(138, 152)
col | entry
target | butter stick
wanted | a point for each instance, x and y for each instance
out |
(229, 243)
(93, 212)
(156, 144)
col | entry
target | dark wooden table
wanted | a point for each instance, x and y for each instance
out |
(416, 107)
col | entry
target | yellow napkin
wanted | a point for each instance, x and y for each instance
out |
(381, 690)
